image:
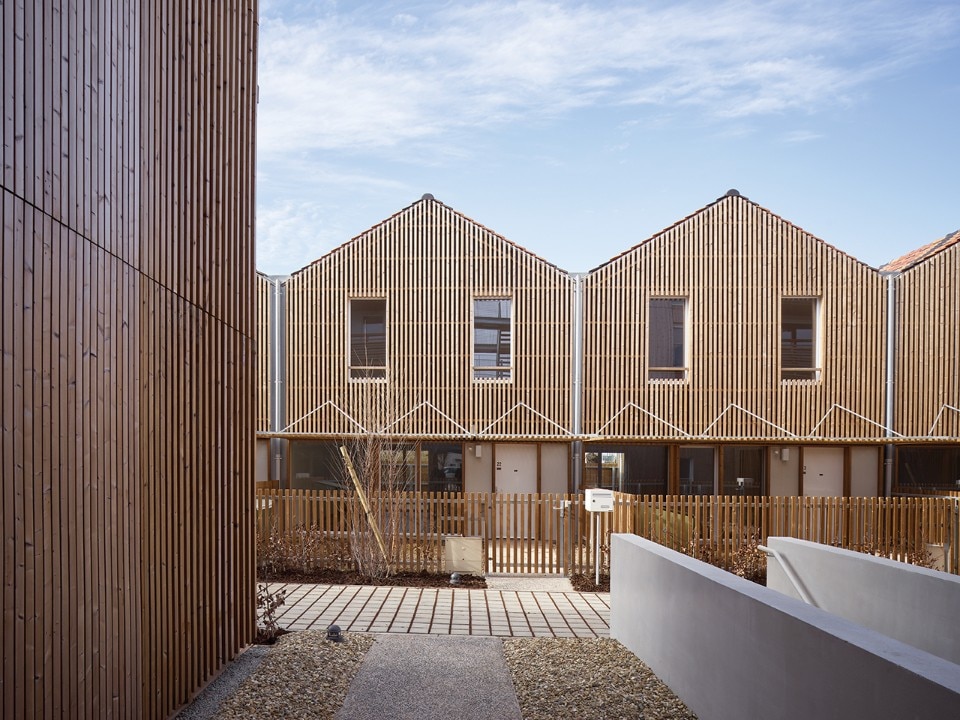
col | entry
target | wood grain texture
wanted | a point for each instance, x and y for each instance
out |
(928, 348)
(733, 262)
(429, 263)
(127, 352)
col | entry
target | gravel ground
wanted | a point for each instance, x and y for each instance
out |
(586, 679)
(304, 676)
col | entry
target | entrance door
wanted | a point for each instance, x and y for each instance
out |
(823, 471)
(516, 468)
(516, 472)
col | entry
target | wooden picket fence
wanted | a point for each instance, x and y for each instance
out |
(553, 533)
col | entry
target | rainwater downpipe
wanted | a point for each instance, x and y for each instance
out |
(278, 359)
(891, 361)
(576, 388)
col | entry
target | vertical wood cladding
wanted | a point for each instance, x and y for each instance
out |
(127, 352)
(733, 262)
(928, 347)
(429, 263)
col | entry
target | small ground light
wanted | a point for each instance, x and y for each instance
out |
(334, 634)
(455, 579)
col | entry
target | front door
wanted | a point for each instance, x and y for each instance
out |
(823, 471)
(516, 468)
(515, 471)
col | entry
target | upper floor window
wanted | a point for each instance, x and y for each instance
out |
(799, 351)
(492, 338)
(667, 346)
(368, 338)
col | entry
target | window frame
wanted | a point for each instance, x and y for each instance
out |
(366, 373)
(501, 373)
(679, 373)
(802, 374)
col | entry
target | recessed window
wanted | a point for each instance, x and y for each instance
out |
(798, 339)
(368, 338)
(492, 338)
(667, 348)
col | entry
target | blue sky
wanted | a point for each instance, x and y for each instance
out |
(579, 129)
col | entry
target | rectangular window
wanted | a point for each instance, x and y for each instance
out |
(667, 349)
(368, 338)
(492, 333)
(798, 339)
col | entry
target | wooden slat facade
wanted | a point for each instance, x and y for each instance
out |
(127, 338)
(732, 263)
(428, 263)
(928, 347)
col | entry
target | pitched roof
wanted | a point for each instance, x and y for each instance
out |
(915, 257)
(731, 195)
(429, 198)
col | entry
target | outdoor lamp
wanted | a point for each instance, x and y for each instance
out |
(334, 634)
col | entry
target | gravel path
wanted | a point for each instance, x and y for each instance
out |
(305, 676)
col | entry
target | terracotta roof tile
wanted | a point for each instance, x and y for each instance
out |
(915, 257)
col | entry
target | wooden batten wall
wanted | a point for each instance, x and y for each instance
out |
(429, 263)
(127, 344)
(733, 262)
(928, 347)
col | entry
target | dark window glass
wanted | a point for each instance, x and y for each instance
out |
(748, 463)
(667, 358)
(368, 338)
(798, 337)
(492, 343)
(637, 469)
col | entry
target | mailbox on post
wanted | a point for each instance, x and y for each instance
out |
(599, 500)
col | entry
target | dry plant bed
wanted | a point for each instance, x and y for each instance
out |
(402, 579)
(587, 679)
(587, 583)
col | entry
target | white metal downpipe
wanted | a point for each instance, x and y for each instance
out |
(576, 388)
(888, 456)
(276, 316)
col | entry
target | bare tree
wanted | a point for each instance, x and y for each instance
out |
(382, 468)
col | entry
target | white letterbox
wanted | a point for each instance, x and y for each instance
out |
(599, 500)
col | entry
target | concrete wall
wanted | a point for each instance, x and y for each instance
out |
(784, 470)
(915, 605)
(733, 649)
(554, 468)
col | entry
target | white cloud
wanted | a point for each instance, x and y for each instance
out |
(801, 136)
(359, 80)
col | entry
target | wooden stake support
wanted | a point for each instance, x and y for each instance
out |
(363, 501)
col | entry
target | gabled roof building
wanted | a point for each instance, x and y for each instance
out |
(730, 353)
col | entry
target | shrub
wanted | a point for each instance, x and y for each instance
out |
(268, 601)
(300, 550)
